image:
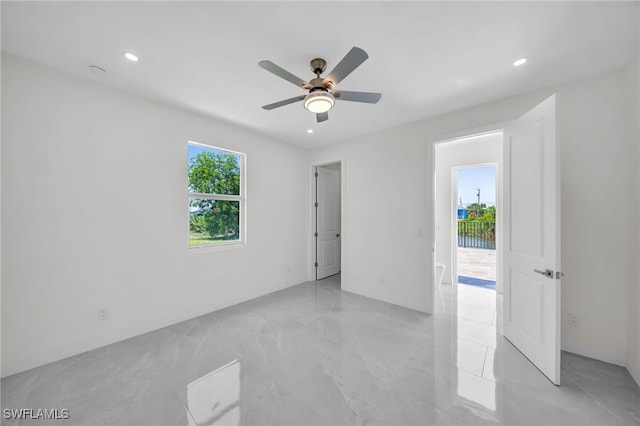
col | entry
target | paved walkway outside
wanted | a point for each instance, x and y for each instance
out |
(477, 263)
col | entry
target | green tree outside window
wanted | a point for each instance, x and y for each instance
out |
(215, 203)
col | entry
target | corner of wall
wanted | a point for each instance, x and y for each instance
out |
(600, 353)
(633, 349)
(634, 371)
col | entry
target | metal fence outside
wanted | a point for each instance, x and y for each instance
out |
(477, 235)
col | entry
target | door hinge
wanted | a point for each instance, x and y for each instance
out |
(315, 264)
(316, 235)
(316, 204)
(316, 174)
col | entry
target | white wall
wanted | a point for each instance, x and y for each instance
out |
(94, 214)
(480, 149)
(599, 163)
(389, 180)
(384, 238)
(633, 353)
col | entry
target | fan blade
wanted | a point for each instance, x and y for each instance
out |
(366, 97)
(285, 102)
(350, 62)
(282, 73)
(322, 116)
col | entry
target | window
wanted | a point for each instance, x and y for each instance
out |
(216, 196)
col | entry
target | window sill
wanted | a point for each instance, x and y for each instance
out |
(217, 247)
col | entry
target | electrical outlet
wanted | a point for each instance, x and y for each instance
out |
(103, 314)
(574, 320)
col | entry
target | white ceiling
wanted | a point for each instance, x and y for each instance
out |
(426, 58)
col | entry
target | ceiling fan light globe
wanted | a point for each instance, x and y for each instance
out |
(319, 102)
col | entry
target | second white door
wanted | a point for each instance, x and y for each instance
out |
(328, 222)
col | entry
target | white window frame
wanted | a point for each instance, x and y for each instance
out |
(241, 198)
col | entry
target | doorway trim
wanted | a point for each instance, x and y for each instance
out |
(311, 252)
(454, 224)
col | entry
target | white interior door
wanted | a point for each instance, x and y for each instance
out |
(328, 223)
(532, 238)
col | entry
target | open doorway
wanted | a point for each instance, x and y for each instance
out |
(468, 255)
(452, 157)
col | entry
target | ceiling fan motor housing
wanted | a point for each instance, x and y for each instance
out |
(318, 65)
(318, 84)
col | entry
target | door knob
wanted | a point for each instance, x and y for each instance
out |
(337, 235)
(547, 272)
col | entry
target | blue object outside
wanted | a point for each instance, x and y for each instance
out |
(476, 282)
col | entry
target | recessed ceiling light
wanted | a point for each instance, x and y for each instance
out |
(309, 130)
(131, 57)
(520, 62)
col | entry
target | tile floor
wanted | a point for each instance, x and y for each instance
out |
(315, 355)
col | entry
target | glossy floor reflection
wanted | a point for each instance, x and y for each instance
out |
(315, 355)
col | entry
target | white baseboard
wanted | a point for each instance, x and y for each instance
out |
(16, 365)
(611, 356)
